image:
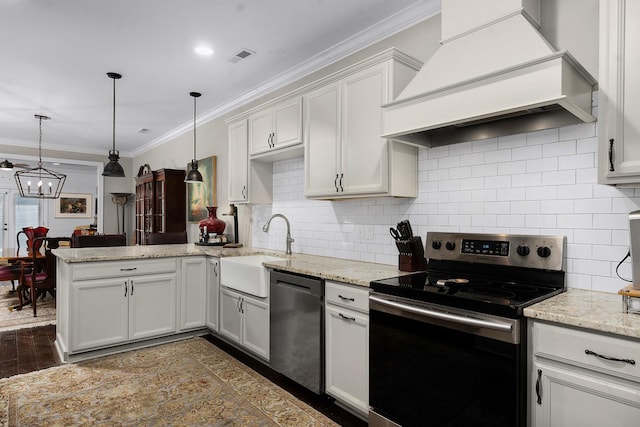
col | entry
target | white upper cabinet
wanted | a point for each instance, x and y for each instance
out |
(619, 93)
(238, 163)
(276, 128)
(345, 156)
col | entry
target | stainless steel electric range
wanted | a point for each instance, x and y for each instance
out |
(447, 346)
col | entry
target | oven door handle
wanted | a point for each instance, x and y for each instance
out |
(499, 326)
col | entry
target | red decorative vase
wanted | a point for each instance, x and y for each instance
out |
(213, 224)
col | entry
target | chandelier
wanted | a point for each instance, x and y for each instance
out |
(40, 182)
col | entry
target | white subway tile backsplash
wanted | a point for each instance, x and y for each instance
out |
(579, 131)
(559, 178)
(542, 182)
(542, 165)
(578, 161)
(542, 137)
(512, 141)
(562, 148)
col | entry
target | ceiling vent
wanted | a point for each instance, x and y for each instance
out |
(243, 54)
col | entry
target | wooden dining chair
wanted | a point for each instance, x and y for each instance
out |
(38, 275)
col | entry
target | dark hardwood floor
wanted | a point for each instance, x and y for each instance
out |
(26, 350)
(32, 349)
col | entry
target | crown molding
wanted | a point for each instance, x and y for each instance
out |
(394, 24)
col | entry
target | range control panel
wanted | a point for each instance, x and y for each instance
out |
(530, 251)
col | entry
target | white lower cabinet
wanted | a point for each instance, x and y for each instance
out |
(583, 378)
(244, 320)
(117, 310)
(193, 292)
(213, 293)
(347, 345)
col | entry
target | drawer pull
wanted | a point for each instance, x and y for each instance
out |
(342, 316)
(615, 359)
(611, 167)
(538, 387)
(345, 298)
(129, 269)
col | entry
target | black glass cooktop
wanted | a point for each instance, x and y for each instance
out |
(486, 295)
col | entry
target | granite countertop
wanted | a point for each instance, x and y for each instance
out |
(341, 270)
(598, 311)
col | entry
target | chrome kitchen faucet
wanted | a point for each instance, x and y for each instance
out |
(265, 228)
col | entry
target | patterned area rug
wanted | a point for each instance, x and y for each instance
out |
(10, 320)
(187, 383)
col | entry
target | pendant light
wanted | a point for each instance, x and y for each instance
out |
(194, 175)
(40, 182)
(113, 168)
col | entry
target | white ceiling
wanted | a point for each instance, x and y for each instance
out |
(54, 56)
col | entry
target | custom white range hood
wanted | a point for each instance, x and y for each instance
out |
(494, 75)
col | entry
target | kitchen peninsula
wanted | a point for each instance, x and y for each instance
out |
(118, 298)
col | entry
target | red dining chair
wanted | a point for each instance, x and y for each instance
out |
(38, 275)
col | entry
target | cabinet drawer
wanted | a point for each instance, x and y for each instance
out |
(347, 296)
(588, 350)
(101, 270)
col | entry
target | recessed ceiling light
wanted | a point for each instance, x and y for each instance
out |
(204, 50)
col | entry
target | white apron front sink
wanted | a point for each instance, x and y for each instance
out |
(246, 273)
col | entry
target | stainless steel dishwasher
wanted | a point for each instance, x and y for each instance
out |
(297, 328)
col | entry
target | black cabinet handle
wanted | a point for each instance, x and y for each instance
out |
(132, 287)
(341, 175)
(611, 168)
(244, 191)
(351, 319)
(345, 298)
(615, 359)
(538, 387)
(125, 289)
(335, 183)
(215, 269)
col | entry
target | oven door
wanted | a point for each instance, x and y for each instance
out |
(440, 366)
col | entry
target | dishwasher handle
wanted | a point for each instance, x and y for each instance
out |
(306, 284)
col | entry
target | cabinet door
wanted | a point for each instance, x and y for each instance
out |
(569, 397)
(152, 305)
(255, 331)
(347, 356)
(287, 123)
(230, 317)
(364, 154)
(619, 93)
(238, 163)
(322, 131)
(99, 314)
(193, 293)
(213, 291)
(261, 131)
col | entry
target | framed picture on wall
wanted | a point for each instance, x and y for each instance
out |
(202, 194)
(73, 205)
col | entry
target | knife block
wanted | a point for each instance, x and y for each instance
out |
(411, 256)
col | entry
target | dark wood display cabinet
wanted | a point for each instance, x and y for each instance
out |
(160, 203)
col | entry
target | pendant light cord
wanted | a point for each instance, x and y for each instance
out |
(194, 126)
(113, 132)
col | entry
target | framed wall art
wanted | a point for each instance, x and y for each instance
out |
(202, 194)
(73, 205)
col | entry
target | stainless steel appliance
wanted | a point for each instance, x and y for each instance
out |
(447, 346)
(297, 328)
